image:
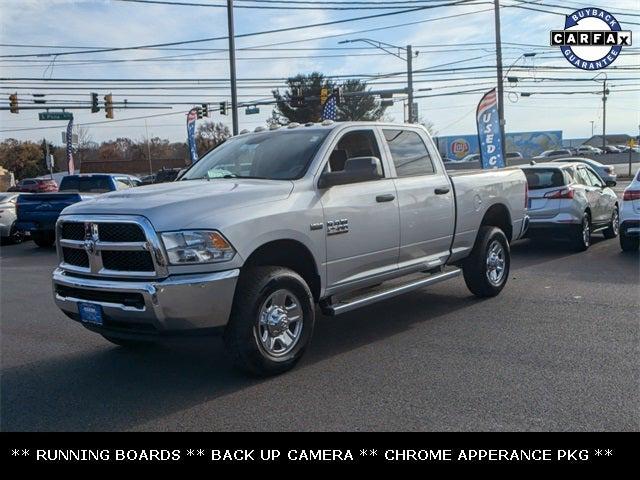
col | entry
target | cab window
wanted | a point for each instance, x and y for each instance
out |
(409, 153)
(359, 143)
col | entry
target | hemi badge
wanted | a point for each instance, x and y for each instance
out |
(316, 226)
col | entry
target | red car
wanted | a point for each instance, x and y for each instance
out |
(35, 185)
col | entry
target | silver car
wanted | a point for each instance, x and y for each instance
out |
(8, 230)
(606, 172)
(571, 200)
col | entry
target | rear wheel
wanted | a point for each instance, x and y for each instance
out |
(582, 235)
(44, 239)
(486, 270)
(614, 227)
(271, 320)
(629, 244)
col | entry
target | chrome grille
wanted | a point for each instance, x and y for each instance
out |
(120, 232)
(123, 261)
(74, 256)
(124, 246)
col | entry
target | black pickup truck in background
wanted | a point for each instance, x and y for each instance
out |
(38, 212)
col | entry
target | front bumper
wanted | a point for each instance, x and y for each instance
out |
(176, 305)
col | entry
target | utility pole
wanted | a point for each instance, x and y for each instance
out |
(604, 114)
(412, 116)
(232, 68)
(496, 13)
(146, 127)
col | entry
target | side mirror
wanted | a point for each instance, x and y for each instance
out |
(356, 169)
(611, 183)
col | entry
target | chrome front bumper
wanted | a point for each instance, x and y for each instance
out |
(176, 304)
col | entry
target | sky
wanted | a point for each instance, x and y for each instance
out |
(463, 40)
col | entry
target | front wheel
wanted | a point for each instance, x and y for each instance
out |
(614, 227)
(271, 321)
(486, 270)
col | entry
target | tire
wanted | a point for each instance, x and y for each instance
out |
(128, 343)
(629, 244)
(260, 337)
(581, 240)
(486, 270)
(15, 236)
(44, 239)
(614, 228)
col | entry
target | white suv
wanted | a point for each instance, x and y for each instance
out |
(630, 216)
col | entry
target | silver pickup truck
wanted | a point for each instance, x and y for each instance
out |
(271, 223)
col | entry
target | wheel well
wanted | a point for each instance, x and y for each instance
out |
(290, 254)
(498, 216)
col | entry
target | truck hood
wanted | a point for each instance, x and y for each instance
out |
(176, 205)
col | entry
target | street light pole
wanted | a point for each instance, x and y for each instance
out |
(592, 122)
(411, 115)
(232, 68)
(604, 115)
(496, 13)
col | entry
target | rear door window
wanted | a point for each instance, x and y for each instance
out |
(540, 178)
(409, 153)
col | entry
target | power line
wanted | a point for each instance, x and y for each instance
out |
(243, 35)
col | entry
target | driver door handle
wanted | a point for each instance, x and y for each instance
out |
(389, 197)
(442, 190)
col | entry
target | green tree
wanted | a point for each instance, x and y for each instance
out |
(24, 159)
(210, 135)
(365, 107)
(308, 86)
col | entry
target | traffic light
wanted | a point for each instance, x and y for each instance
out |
(223, 108)
(94, 103)
(108, 105)
(337, 93)
(297, 96)
(205, 110)
(13, 103)
(324, 95)
(199, 112)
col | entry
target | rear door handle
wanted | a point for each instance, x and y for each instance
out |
(442, 190)
(385, 198)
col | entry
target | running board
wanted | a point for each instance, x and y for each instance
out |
(348, 305)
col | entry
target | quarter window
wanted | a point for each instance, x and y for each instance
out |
(409, 153)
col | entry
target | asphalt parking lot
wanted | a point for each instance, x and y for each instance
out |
(557, 350)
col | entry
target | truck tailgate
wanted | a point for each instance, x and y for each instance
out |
(41, 210)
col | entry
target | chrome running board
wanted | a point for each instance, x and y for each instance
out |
(360, 301)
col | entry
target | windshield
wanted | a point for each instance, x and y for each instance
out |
(5, 197)
(281, 155)
(93, 184)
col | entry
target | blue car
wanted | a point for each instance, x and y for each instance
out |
(38, 212)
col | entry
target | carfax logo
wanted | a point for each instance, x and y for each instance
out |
(592, 38)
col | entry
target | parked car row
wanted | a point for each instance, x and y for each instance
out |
(572, 198)
(37, 213)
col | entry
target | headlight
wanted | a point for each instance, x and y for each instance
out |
(196, 246)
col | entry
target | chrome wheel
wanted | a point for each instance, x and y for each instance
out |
(280, 323)
(615, 223)
(496, 263)
(586, 231)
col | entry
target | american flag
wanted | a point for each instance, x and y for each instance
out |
(72, 167)
(489, 100)
(330, 111)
